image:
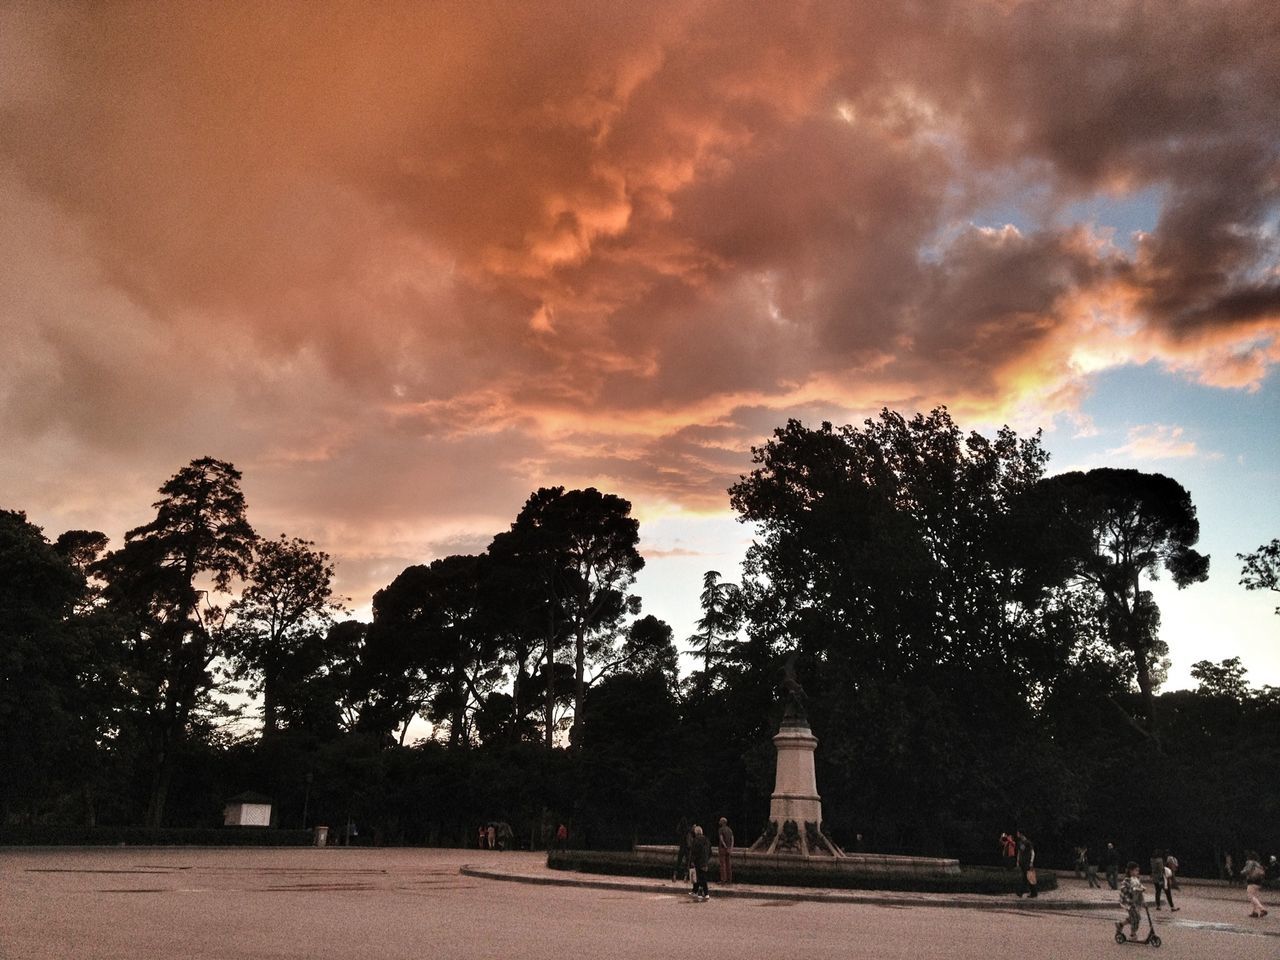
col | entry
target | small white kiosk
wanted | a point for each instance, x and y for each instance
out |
(247, 810)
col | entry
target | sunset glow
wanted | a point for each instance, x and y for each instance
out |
(403, 263)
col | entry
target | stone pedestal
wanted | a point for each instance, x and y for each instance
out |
(795, 789)
(795, 809)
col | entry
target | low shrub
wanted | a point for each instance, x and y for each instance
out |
(48, 835)
(988, 880)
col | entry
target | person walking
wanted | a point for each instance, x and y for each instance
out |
(1159, 879)
(1168, 885)
(700, 856)
(1091, 868)
(1027, 864)
(682, 850)
(562, 837)
(1171, 862)
(1253, 874)
(1112, 861)
(725, 847)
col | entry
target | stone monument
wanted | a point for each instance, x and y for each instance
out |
(794, 848)
(795, 809)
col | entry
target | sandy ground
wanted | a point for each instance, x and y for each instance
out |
(364, 903)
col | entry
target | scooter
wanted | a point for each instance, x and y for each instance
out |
(1152, 937)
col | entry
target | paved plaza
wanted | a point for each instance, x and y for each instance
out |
(397, 904)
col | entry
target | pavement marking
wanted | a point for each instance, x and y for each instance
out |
(135, 890)
(147, 872)
(1215, 926)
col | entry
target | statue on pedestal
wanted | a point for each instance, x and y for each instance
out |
(793, 695)
(795, 809)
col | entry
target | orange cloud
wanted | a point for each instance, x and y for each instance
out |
(403, 263)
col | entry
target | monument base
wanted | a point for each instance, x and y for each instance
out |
(785, 835)
(817, 870)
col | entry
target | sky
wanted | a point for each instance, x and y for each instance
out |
(402, 264)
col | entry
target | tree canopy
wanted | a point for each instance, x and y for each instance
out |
(1262, 568)
(977, 642)
(1112, 528)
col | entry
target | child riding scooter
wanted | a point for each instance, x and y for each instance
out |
(1131, 898)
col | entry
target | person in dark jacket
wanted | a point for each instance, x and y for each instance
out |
(1112, 860)
(1027, 864)
(700, 857)
(683, 838)
(1091, 867)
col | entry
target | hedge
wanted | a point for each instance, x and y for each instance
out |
(47, 835)
(989, 880)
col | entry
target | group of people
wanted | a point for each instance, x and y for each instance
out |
(1132, 893)
(693, 854)
(1017, 850)
(1164, 870)
(495, 836)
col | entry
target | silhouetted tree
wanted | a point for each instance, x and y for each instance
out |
(81, 548)
(720, 621)
(579, 548)
(1225, 679)
(432, 615)
(281, 619)
(523, 621)
(527, 570)
(1261, 569)
(157, 580)
(355, 682)
(889, 541)
(60, 684)
(1113, 527)
(885, 555)
(649, 648)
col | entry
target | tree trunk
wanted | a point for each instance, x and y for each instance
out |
(551, 693)
(459, 709)
(90, 808)
(1145, 686)
(159, 791)
(579, 686)
(517, 695)
(173, 718)
(270, 709)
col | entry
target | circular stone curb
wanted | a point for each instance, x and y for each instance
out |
(978, 901)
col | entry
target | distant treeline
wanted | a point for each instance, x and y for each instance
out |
(977, 644)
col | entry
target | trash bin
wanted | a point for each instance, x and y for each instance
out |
(322, 836)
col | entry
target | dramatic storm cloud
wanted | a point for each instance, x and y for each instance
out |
(403, 262)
